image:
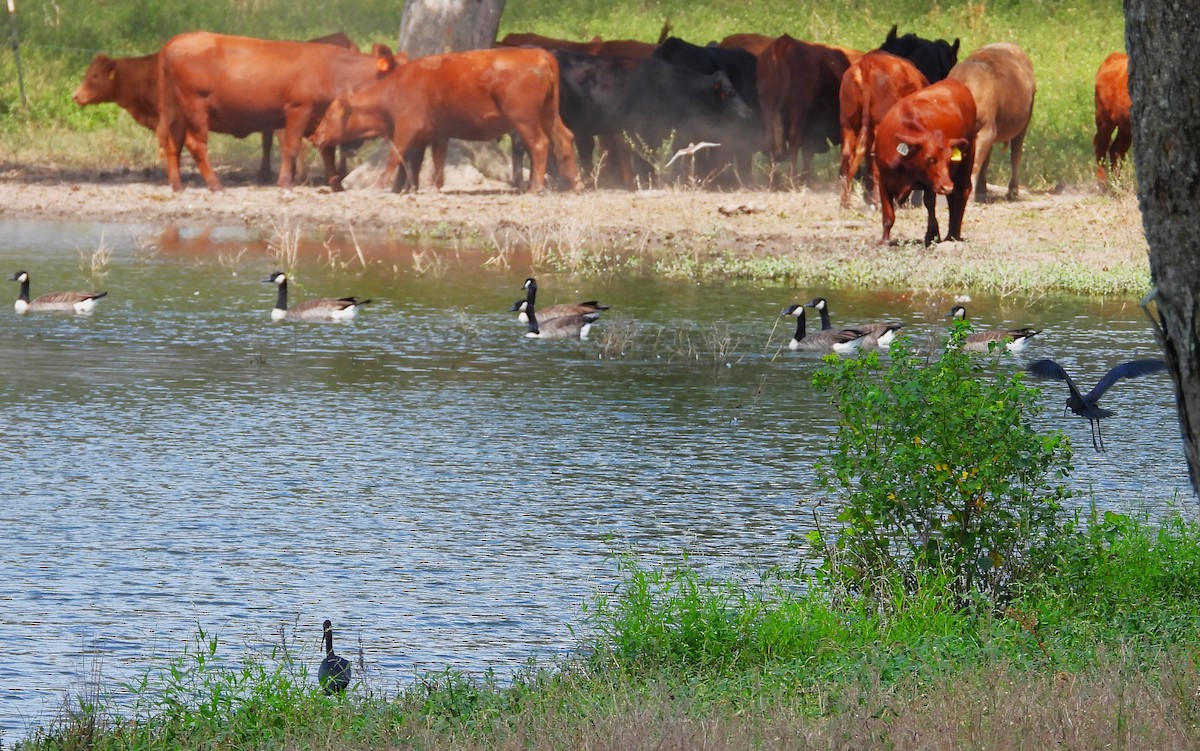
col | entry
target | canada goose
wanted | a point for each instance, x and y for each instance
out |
(334, 673)
(878, 334)
(53, 302)
(837, 340)
(322, 309)
(1087, 405)
(1016, 340)
(553, 311)
(563, 327)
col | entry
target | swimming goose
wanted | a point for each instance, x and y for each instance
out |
(1016, 340)
(553, 311)
(878, 334)
(53, 302)
(334, 673)
(837, 340)
(562, 327)
(322, 309)
(1087, 405)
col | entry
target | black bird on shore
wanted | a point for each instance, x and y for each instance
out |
(1086, 405)
(334, 673)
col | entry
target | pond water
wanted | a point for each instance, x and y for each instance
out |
(448, 492)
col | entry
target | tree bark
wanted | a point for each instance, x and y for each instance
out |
(1163, 70)
(431, 27)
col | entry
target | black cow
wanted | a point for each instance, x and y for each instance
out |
(741, 68)
(697, 107)
(592, 89)
(934, 58)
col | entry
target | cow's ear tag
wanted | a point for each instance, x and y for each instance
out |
(112, 74)
(956, 154)
(902, 149)
(383, 64)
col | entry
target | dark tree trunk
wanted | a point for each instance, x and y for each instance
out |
(431, 27)
(1163, 73)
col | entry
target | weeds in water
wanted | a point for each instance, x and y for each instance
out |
(94, 265)
(284, 245)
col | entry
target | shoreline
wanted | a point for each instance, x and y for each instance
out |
(1072, 242)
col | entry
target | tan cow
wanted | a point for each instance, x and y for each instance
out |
(1000, 77)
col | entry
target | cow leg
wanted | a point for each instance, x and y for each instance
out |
(983, 155)
(932, 234)
(333, 175)
(852, 155)
(200, 154)
(1119, 148)
(1016, 146)
(293, 133)
(518, 160)
(539, 147)
(887, 210)
(563, 143)
(439, 148)
(1100, 144)
(264, 165)
(171, 144)
(959, 195)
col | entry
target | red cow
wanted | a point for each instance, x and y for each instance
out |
(238, 85)
(798, 87)
(132, 84)
(869, 89)
(474, 96)
(1000, 77)
(1112, 112)
(927, 141)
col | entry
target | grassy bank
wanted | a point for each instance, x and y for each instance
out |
(1066, 41)
(1101, 653)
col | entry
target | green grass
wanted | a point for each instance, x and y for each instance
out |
(1102, 647)
(1067, 41)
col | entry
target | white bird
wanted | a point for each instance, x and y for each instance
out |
(691, 149)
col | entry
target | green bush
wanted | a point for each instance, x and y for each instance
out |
(937, 468)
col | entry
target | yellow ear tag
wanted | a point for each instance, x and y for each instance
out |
(955, 154)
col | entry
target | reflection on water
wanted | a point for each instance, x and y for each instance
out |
(446, 491)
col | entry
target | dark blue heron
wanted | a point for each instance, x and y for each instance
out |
(334, 673)
(1086, 405)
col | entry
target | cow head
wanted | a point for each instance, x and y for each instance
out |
(927, 159)
(726, 98)
(99, 82)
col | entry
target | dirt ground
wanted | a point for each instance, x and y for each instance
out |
(1094, 231)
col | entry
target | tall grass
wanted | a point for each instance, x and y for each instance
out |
(1066, 39)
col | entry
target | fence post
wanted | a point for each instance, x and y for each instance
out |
(12, 17)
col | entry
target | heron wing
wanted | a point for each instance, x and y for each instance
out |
(1131, 369)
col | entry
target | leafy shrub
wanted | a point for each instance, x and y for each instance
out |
(939, 468)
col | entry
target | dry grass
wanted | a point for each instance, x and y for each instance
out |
(996, 707)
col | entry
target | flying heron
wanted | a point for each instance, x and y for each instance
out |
(1086, 405)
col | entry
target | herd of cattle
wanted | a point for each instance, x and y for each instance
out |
(919, 118)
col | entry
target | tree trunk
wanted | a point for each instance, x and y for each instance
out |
(431, 27)
(1163, 71)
